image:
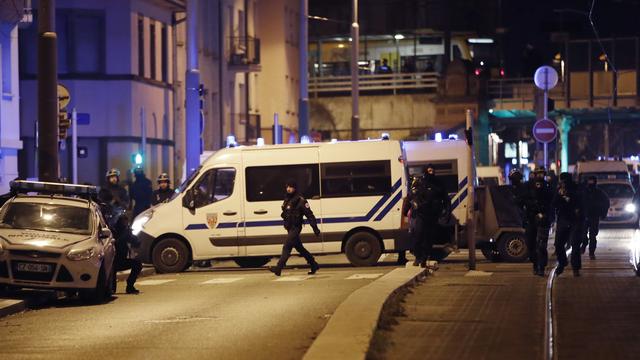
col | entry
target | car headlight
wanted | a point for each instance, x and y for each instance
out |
(630, 208)
(82, 253)
(139, 222)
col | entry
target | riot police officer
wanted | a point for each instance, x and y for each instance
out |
(429, 202)
(164, 191)
(140, 191)
(597, 207)
(293, 209)
(568, 204)
(536, 199)
(119, 194)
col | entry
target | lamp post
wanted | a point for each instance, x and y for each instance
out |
(355, 45)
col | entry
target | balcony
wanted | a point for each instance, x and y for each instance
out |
(244, 54)
(375, 84)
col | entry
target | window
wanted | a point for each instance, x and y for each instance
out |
(140, 45)
(446, 172)
(152, 48)
(213, 186)
(366, 178)
(80, 42)
(267, 183)
(165, 55)
(48, 217)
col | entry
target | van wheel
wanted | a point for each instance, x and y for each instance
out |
(363, 249)
(512, 247)
(170, 256)
(252, 262)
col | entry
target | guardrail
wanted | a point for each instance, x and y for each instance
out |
(375, 82)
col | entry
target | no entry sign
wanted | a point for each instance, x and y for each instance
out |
(544, 131)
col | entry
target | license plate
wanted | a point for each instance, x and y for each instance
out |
(31, 267)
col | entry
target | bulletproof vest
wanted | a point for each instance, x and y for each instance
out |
(292, 211)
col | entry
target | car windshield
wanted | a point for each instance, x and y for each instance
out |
(617, 190)
(47, 217)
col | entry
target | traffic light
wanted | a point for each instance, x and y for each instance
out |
(137, 159)
(64, 122)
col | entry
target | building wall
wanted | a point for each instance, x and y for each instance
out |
(115, 97)
(278, 82)
(9, 105)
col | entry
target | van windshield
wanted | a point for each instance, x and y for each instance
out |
(187, 182)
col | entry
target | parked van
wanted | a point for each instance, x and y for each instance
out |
(490, 175)
(230, 207)
(602, 169)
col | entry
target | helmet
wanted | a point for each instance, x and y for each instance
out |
(138, 170)
(113, 172)
(163, 177)
(540, 169)
(515, 173)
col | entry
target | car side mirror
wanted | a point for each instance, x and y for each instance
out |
(188, 200)
(105, 233)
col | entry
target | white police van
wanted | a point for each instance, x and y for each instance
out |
(230, 207)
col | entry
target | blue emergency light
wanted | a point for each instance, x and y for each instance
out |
(22, 186)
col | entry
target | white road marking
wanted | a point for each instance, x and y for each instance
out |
(154, 282)
(363, 276)
(383, 256)
(293, 278)
(476, 273)
(225, 280)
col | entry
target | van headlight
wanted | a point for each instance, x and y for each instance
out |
(631, 208)
(82, 253)
(139, 222)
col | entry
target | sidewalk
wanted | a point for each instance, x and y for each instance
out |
(456, 314)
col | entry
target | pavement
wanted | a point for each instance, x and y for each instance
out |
(499, 311)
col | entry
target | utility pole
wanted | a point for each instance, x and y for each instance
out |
(471, 218)
(355, 45)
(47, 92)
(303, 111)
(192, 143)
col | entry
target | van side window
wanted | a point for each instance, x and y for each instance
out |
(214, 185)
(267, 183)
(364, 178)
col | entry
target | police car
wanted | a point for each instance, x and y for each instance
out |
(53, 236)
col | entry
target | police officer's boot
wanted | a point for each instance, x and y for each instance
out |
(314, 267)
(592, 255)
(276, 270)
(132, 290)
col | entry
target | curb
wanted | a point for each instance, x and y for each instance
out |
(348, 333)
(13, 306)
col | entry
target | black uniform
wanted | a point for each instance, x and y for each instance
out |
(568, 205)
(293, 209)
(161, 196)
(428, 201)
(119, 194)
(536, 198)
(597, 207)
(141, 193)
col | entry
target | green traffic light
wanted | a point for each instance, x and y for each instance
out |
(138, 159)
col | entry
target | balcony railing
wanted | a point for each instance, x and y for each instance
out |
(393, 83)
(244, 51)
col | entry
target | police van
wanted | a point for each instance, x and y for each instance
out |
(230, 207)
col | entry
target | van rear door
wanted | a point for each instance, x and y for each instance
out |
(266, 172)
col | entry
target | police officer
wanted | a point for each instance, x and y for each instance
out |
(164, 191)
(141, 192)
(597, 207)
(429, 202)
(568, 204)
(537, 199)
(293, 209)
(119, 194)
(116, 217)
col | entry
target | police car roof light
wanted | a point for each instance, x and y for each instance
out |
(53, 188)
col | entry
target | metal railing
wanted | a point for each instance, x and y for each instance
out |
(251, 123)
(244, 50)
(375, 82)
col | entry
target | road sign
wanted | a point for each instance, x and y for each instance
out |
(63, 96)
(546, 78)
(545, 131)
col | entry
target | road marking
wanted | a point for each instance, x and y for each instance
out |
(474, 273)
(226, 280)
(383, 256)
(293, 278)
(363, 276)
(154, 282)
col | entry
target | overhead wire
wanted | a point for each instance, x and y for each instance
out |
(606, 58)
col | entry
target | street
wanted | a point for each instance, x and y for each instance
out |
(224, 312)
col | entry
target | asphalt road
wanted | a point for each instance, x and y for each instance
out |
(224, 313)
